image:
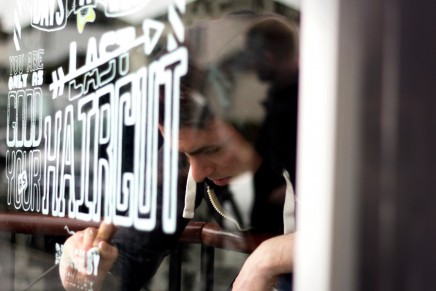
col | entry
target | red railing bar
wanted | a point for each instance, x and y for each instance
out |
(208, 234)
(30, 223)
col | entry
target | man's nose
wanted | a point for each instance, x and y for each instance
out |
(201, 168)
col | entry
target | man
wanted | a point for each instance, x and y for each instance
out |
(217, 153)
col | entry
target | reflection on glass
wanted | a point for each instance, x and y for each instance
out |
(125, 125)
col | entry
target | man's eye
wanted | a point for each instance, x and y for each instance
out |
(212, 151)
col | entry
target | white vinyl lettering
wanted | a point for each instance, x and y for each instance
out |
(96, 157)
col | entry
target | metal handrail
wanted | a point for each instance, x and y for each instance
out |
(208, 234)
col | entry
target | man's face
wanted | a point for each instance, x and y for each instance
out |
(218, 152)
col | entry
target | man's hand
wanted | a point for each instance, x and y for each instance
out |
(272, 258)
(87, 257)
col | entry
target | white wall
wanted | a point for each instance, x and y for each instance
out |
(327, 149)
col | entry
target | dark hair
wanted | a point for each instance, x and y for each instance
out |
(194, 110)
(273, 34)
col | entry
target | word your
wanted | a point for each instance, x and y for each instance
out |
(23, 172)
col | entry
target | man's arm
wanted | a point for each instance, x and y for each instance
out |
(272, 258)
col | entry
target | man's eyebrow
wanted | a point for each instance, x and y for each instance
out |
(201, 150)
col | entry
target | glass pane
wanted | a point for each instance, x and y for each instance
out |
(140, 135)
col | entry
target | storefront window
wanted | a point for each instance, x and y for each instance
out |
(138, 137)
